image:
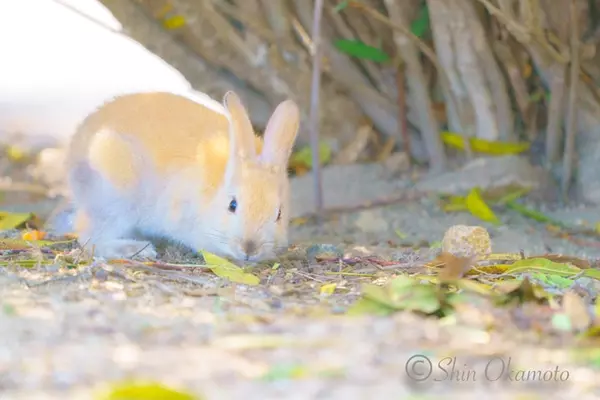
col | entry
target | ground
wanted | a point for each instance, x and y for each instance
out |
(75, 328)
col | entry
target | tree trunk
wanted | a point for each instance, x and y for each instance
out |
(475, 78)
(202, 77)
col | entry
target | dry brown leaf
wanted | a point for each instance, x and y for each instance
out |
(454, 267)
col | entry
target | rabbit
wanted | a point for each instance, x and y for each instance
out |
(189, 169)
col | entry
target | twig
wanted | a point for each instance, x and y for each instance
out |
(402, 109)
(91, 19)
(572, 110)
(314, 106)
(555, 112)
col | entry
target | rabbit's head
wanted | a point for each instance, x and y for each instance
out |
(250, 211)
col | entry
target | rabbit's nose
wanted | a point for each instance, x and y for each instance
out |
(250, 247)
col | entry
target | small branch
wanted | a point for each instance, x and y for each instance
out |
(402, 109)
(572, 110)
(555, 112)
(315, 86)
(91, 19)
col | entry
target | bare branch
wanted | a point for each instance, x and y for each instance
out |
(572, 110)
(418, 91)
(315, 86)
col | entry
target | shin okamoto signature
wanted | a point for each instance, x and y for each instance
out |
(420, 368)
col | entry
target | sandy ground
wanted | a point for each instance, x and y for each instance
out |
(72, 332)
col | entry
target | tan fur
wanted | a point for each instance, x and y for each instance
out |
(162, 159)
(169, 129)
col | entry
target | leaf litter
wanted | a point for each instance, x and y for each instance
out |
(502, 292)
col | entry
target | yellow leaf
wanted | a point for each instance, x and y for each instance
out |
(174, 22)
(276, 265)
(484, 146)
(478, 208)
(225, 269)
(15, 154)
(33, 235)
(145, 391)
(328, 288)
(13, 220)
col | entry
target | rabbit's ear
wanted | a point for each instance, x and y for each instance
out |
(240, 130)
(280, 134)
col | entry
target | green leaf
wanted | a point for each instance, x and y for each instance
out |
(10, 220)
(543, 266)
(530, 213)
(479, 208)
(421, 24)
(285, 371)
(225, 269)
(304, 156)
(357, 48)
(18, 244)
(146, 391)
(341, 5)
(404, 293)
(364, 306)
(554, 280)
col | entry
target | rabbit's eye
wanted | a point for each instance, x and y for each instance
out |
(279, 214)
(232, 205)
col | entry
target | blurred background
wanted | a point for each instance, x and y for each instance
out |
(433, 84)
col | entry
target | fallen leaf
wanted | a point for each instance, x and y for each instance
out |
(521, 291)
(328, 289)
(226, 269)
(454, 267)
(33, 235)
(145, 391)
(401, 234)
(403, 293)
(559, 258)
(484, 146)
(544, 266)
(303, 157)
(474, 286)
(531, 213)
(553, 280)
(285, 371)
(365, 306)
(16, 244)
(15, 153)
(10, 220)
(174, 22)
(479, 208)
(495, 269)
